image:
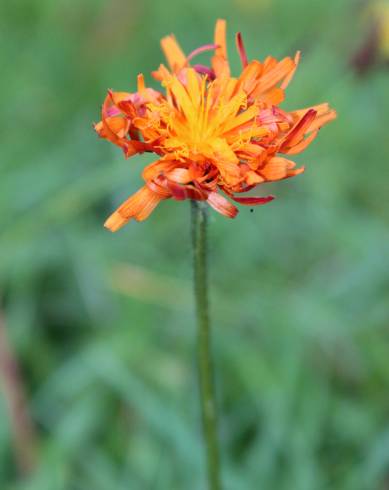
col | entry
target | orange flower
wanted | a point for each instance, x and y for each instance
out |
(211, 131)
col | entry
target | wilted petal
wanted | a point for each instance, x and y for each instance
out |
(138, 206)
(222, 205)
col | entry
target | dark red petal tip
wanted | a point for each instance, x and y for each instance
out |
(253, 201)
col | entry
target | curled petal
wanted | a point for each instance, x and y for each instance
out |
(276, 168)
(159, 187)
(157, 168)
(222, 205)
(132, 147)
(138, 206)
(117, 125)
(178, 191)
(298, 131)
(201, 49)
(182, 192)
(180, 175)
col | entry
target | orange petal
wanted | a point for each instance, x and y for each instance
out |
(157, 168)
(138, 206)
(132, 147)
(319, 108)
(276, 168)
(141, 82)
(249, 76)
(288, 79)
(173, 53)
(162, 74)
(220, 37)
(180, 175)
(118, 125)
(252, 178)
(221, 205)
(322, 120)
(294, 172)
(219, 62)
(220, 66)
(274, 75)
(226, 161)
(274, 96)
(242, 118)
(294, 150)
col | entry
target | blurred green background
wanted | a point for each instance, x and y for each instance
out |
(102, 325)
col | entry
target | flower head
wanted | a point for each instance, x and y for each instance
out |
(211, 131)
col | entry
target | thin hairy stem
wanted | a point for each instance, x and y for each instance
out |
(204, 354)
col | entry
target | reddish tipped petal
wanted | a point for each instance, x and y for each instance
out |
(253, 201)
(297, 133)
(241, 49)
(195, 192)
(322, 120)
(221, 205)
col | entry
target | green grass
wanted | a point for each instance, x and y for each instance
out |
(103, 324)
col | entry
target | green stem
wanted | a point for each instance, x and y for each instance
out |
(204, 356)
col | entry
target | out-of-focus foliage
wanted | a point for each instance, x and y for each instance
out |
(103, 324)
